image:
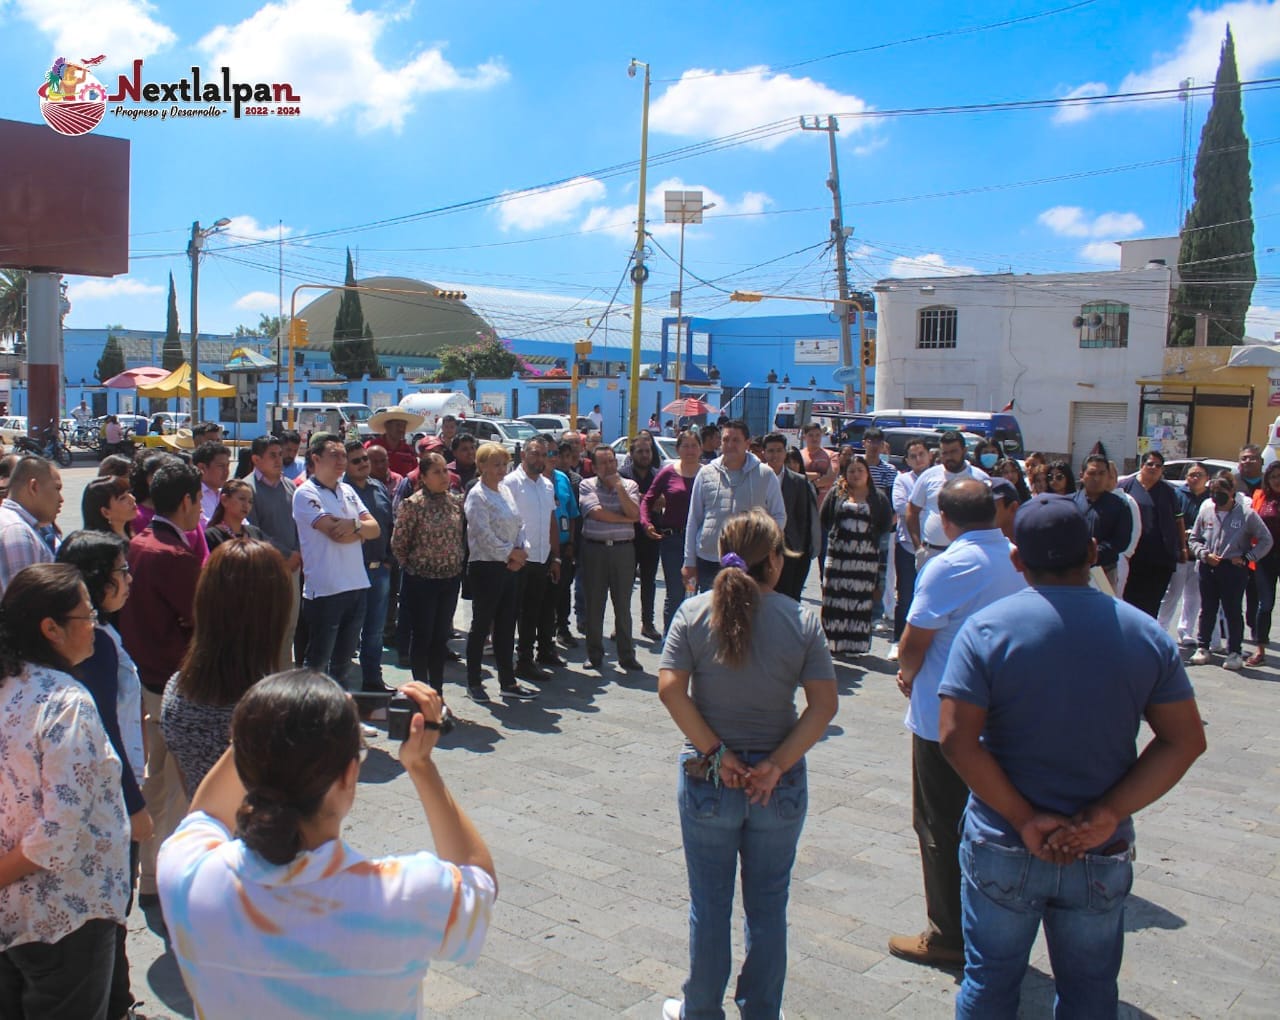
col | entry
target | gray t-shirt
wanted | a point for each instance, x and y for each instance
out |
(750, 707)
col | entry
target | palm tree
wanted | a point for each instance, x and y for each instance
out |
(13, 305)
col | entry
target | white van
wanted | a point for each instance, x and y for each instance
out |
(346, 420)
(435, 406)
(825, 412)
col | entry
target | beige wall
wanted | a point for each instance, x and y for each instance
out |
(1220, 431)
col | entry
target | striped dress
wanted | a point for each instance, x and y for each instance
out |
(850, 569)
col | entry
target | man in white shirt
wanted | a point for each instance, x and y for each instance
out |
(332, 523)
(924, 527)
(974, 571)
(213, 461)
(535, 496)
(918, 460)
(597, 419)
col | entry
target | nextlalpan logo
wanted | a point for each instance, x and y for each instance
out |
(73, 101)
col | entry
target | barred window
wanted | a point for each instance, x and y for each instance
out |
(937, 328)
(1103, 324)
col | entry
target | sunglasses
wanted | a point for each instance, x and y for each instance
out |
(1058, 475)
(358, 460)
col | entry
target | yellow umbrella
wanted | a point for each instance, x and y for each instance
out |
(178, 384)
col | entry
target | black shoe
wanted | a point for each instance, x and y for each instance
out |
(595, 664)
(451, 656)
(650, 632)
(526, 670)
(550, 659)
(519, 692)
(478, 694)
(566, 638)
(631, 665)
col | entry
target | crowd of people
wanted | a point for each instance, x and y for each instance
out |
(118, 672)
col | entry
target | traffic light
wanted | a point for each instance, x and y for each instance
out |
(299, 332)
(869, 353)
(451, 295)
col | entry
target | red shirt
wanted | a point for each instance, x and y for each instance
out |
(401, 458)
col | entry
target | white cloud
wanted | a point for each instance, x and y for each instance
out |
(540, 207)
(259, 301)
(1255, 26)
(94, 289)
(1262, 323)
(121, 30)
(621, 220)
(708, 104)
(907, 267)
(1071, 114)
(246, 228)
(1106, 253)
(874, 145)
(327, 51)
(1073, 221)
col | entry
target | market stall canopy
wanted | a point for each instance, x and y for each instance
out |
(689, 407)
(132, 378)
(245, 359)
(178, 384)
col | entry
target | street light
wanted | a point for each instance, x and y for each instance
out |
(193, 252)
(639, 271)
(682, 207)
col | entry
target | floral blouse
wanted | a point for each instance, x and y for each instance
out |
(428, 538)
(63, 808)
(494, 525)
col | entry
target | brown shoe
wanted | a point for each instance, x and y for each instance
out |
(1258, 658)
(919, 949)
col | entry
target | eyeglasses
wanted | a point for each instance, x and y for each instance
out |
(1058, 476)
(358, 460)
(92, 617)
(123, 569)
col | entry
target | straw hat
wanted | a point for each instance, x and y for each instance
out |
(180, 440)
(411, 420)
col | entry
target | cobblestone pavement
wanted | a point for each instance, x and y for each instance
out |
(575, 794)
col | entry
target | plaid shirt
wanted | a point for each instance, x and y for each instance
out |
(20, 542)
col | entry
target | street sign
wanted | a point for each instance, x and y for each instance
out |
(845, 374)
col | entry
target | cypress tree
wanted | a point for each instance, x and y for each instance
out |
(353, 352)
(171, 354)
(112, 360)
(1216, 263)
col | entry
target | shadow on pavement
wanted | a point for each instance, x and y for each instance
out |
(163, 976)
(1140, 914)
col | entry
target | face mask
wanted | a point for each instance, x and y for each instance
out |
(988, 460)
(1221, 498)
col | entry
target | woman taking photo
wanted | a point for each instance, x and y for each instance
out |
(64, 856)
(1266, 504)
(108, 505)
(853, 516)
(112, 680)
(235, 503)
(497, 549)
(733, 659)
(664, 511)
(235, 644)
(427, 542)
(290, 920)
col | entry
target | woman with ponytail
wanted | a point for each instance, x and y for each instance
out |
(732, 662)
(271, 913)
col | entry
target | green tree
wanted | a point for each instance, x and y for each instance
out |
(267, 326)
(1216, 263)
(353, 352)
(112, 360)
(13, 304)
(486, 359)
(171, 356)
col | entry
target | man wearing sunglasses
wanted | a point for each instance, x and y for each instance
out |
(1110, 523)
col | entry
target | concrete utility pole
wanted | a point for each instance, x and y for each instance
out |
(839, 237)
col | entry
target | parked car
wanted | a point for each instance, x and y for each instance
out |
(896, 440)
(12, 427)
(665, 449)
(1175, 471)
(557, 424)
(510, 432)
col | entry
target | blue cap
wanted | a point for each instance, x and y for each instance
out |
(1051, 533)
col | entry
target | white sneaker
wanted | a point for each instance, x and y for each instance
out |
(1233, 662)
(893, 653)
(1200, 657)
(369, 731)
(671, 1009)
(1187, 641)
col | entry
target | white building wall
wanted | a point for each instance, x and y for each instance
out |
(1015, 341)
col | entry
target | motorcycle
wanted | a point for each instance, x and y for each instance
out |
(51, 448)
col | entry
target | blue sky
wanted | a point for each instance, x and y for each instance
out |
(408, 107)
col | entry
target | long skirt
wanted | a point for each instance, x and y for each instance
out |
(849, 579)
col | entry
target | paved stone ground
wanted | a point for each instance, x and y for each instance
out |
(575, 794)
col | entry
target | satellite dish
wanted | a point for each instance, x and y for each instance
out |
(1077, 322)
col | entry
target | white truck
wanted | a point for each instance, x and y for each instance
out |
(434, 406)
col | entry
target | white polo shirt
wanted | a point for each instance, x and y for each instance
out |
(536, 500)
(329, 567)
(925, 496)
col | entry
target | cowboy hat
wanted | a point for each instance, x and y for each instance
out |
(180, 440)
(411, 420)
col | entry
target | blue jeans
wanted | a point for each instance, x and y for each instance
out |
(333, 631)
(375, 617)
(887, 541)
(719, 826)
(671, 553)
(904, 566)
(1005, 895)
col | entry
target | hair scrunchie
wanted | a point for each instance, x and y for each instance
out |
(733, 560)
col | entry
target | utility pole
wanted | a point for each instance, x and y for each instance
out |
(839, 238)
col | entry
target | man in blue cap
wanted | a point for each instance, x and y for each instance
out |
(1042, 698)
